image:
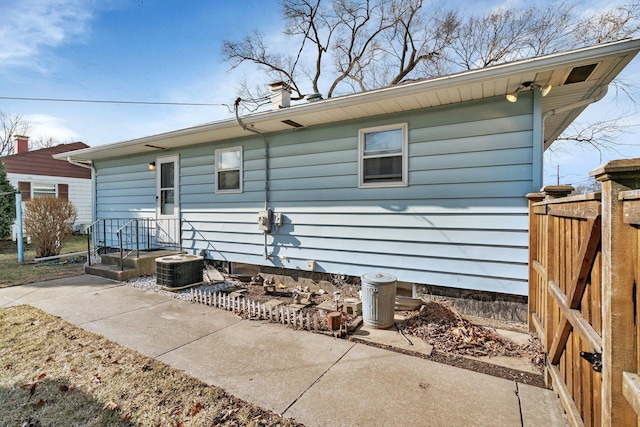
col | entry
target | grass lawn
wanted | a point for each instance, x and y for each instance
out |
(53, 373)
(13, 273)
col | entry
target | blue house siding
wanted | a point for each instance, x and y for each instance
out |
(461, 221)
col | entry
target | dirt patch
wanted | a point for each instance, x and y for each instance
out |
(448, 332)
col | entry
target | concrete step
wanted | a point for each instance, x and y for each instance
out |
(134, 266)
(146, 262)
(110, 272)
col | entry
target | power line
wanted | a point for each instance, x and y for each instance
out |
(100, 101)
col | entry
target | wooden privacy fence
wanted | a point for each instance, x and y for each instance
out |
(583, 270)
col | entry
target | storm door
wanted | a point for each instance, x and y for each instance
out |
(168, 201)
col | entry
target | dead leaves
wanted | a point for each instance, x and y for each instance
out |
(111, 405)
(32, 390)
(32, 386)
(197, 408)
(96, 379)
(445, 329)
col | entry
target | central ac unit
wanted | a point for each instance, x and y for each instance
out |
(176, 271)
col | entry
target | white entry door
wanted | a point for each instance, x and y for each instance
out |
(168, 201)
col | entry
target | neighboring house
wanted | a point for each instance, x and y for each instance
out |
(425, 180)
(36, 173)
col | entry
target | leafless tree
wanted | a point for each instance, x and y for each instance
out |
(377, 43)
(42, 141)
(12, 125)
(592, 186)
(609, 25)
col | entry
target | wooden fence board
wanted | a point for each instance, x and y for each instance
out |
(632, 212)
(631, 389)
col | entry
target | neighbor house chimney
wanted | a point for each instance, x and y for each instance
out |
(280, 95)
(21, 144)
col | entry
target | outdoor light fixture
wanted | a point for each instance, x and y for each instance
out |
(513, 96)
(152, 166)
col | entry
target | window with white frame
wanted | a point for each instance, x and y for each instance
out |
(229, 170)
(383, 156)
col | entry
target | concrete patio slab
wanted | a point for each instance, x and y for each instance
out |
(540, 407)
(385, 388)
(266, 364)
(100, 303)
(164, 327)
(59, 288)
(392, 338)
(317, 380)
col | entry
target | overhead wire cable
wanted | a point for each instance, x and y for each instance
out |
(102, 101)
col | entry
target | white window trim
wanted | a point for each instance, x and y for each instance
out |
(404, 127)
(223, 150)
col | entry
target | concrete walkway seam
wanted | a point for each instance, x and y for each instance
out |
(124, 312)
(197, 339)
(317, 380)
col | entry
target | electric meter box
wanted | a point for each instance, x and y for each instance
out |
(264, 220)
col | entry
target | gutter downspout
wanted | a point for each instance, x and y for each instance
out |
(266, 167)
(603, 89)
(94, 192)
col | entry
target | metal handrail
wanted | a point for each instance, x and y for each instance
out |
(90, 236)
(119, 233)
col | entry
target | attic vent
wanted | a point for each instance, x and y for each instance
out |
(176, 271)
(313, 97)
(580, 74)
(292, 123)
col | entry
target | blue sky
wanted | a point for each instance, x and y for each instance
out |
(169, 51)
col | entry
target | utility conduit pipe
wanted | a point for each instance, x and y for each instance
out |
(266, 167)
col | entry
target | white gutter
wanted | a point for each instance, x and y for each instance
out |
(602, 92)
(94, 200)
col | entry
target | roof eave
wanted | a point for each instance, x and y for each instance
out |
(229, 127)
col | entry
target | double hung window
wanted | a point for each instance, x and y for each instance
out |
(383, 156)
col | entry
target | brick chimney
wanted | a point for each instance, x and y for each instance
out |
(21, 144)
(280, 95)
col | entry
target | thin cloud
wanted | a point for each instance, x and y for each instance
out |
(29, 27)
(45, 126)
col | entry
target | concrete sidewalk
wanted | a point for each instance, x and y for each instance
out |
(318, 380)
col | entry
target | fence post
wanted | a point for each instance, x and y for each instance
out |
(551, 268)
(618, 290)
(534, 243)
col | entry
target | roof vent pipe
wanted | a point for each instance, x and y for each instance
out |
(280, 95)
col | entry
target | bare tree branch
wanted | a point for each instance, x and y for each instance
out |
(609, 25)
(377, 43)
(12, 125)
(603, 134)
